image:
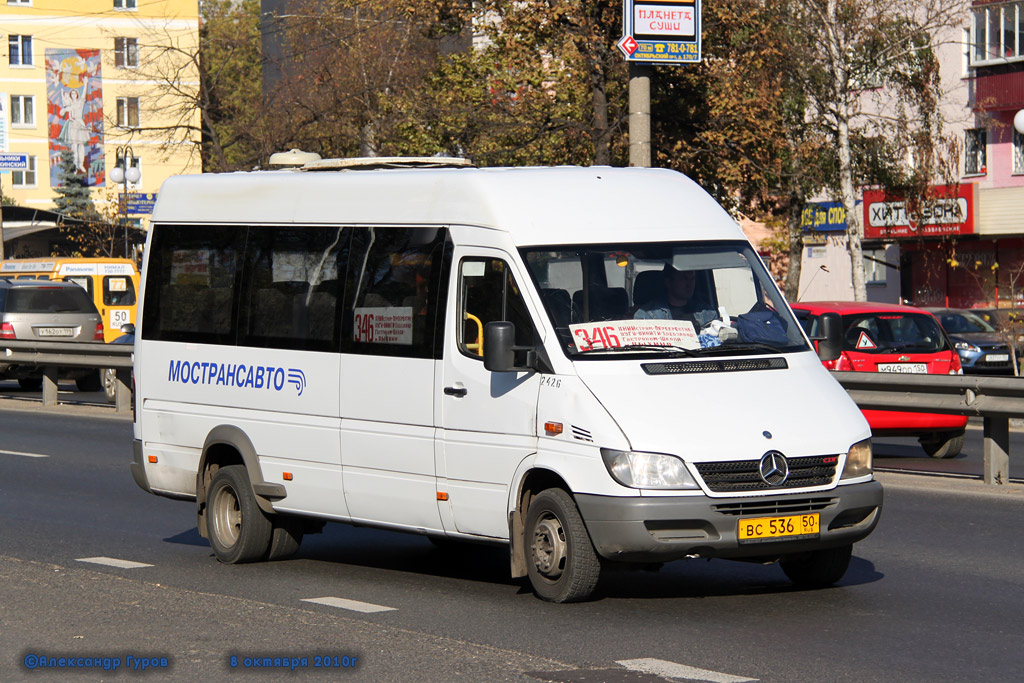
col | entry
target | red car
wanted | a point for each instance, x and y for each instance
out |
(890, 338)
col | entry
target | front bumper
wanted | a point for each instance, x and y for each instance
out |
(639, 529)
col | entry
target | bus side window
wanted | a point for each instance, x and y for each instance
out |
(395, 281)
(488, 292)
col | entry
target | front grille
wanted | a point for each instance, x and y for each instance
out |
(787, 506)
(744, 475)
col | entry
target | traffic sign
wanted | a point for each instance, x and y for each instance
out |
(661, 31)
(13, 162)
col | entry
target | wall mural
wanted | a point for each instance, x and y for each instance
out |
(74, 112)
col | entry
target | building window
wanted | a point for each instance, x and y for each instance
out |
(125, 4)
(998, 33)
(875, 266)
(23, 111)
(126, 52)
(974, 152)
(19, 48)
(128, 112)
(1018, 152)
(25, 178)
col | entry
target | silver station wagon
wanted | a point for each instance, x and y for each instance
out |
(36, 310)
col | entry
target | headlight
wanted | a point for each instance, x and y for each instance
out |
(966, 346)
(858, 460)
(647, 470)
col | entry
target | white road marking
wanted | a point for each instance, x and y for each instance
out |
(111, 562)
(354, 605)
(25, 455)
(660, 667)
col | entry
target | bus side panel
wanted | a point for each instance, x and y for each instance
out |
(285, 402)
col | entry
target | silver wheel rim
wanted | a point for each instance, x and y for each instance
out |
(549, 547)
(227, 516)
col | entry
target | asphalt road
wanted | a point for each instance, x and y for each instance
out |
(933, 595)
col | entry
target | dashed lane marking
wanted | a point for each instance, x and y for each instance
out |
(113, 562)
(25, 455)
(354, 605)
(666, 669)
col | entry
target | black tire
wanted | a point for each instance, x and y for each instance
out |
(239, 530)
(285, 538)
(560, 559)
(943, 445)
(91, 382)
(31, 383)
(818, 568)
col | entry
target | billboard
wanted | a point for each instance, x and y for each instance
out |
(661, 31)
(74, 112)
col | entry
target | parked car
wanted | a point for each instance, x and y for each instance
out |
(1009, 321)
(52, 311)
(891, 338)
(982, 348)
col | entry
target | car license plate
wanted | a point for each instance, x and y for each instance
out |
(756, 529)
(913, 368)
(997, 357)
(55, 332)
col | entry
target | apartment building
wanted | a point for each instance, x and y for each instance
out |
(107, 80)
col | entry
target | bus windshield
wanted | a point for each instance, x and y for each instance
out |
(675, 298)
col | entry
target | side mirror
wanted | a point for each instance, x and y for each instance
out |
(500, 349)
(830, 343)
(128, 328)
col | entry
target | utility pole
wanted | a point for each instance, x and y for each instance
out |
(640, 114)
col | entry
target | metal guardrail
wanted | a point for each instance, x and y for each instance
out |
(53, 355)
(995, 399)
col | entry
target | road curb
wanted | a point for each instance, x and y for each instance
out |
(944, 483)
(84, 409)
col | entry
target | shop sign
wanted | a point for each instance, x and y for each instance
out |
(948, 210)
(823, 217)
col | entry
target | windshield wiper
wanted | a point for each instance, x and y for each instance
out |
(663, 348)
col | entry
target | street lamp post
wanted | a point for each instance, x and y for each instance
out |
(126, 170)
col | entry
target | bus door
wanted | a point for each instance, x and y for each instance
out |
(488, 419)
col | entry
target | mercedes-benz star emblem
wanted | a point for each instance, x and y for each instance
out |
(774, 468)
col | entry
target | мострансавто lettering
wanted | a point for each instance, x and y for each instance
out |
(235, 375)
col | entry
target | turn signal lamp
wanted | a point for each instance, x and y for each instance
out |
(7, 331)
(956, 367)
(552, 428)
(441, 495)
(98, 334)
(287, 476)
(152, 459)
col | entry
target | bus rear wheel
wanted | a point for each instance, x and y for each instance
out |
(239, 530)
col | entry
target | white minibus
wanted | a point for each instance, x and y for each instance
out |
(590, 365)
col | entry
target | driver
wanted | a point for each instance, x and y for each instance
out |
(677, 301)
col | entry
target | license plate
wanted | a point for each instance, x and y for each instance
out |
(756, 529)
(55, 332)
(913, 368)
(997, 357)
